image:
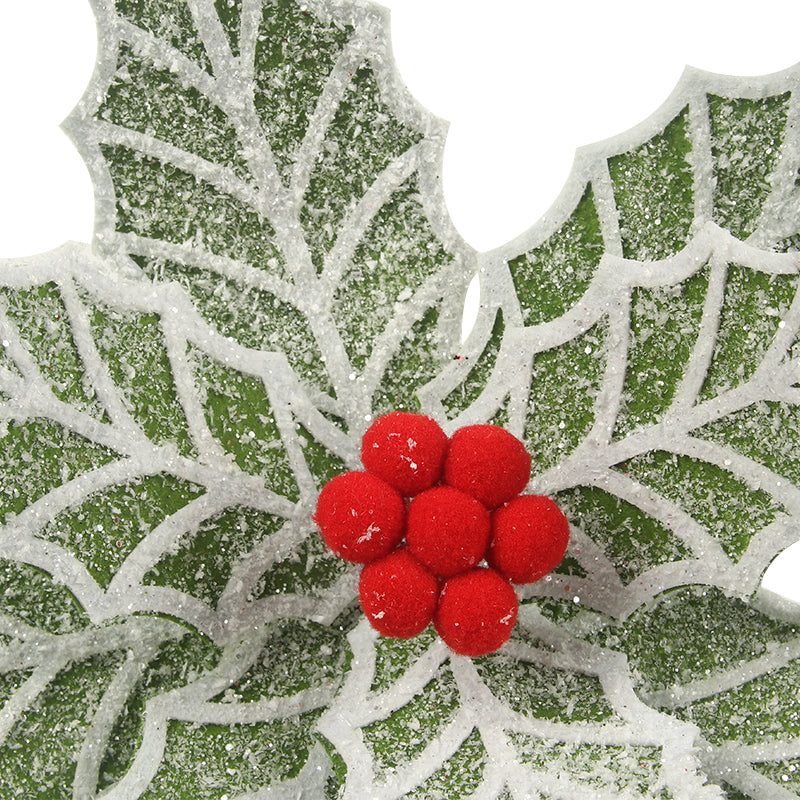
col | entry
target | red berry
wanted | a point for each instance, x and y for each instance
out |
(360, 516)
(406, 450)
(529, 538)
(447, 530)
(487, 462)
(476, 612)
(398, 595)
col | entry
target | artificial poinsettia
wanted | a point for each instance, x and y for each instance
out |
(273, 268)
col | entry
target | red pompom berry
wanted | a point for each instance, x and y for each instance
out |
(476, 612)
(447, 530)
(406, 450)
(487, 462)
(360, 516)
(398, 595)
(529, 538)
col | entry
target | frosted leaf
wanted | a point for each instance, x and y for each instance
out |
(274, 181)
(172, 492)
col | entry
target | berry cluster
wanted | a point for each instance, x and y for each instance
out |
(423, 517)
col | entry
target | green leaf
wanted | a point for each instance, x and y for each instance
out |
(631, 540)
(258, 318)
(322, 462)
(172, 665)
(460, 774)
(114, 505)
(764, 431)
(203, 565)
(267, 676)
(55, 728)
(726, 667)
(395, 741)
(160, 201)
(608, 769)
(297, 655)
(37, 456)
(664, 325)
(282, 178)
(42, 320)
(746, 138)
(310, 568)
(295, 50)
(755, 309)
(393, 657)
(151, 100)
(397, 253)
(549, 693)
(551, 277)
(418, 358)
(565, 382)
(240, 417)
(361, 142)
(171, 19)
(108, 525)
(673, 641)
(750, 714)
(133, 348)
(30, 596)
(475, 381)
(727, 507)
(654, 193)
(237, 758)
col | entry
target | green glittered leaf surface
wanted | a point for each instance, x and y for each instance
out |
(274, 267)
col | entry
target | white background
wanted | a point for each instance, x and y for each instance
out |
(522, 83)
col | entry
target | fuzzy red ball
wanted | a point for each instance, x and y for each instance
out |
(360, 516)
(476, 612)
(487, 462)
(398, 595)
(406, 450)
(529, 538)
(447, 530)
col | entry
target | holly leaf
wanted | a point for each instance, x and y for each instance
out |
(656, 390)
(550, 714)
(659, 405)
(728, 668)
(153, 469)
(265, 158)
